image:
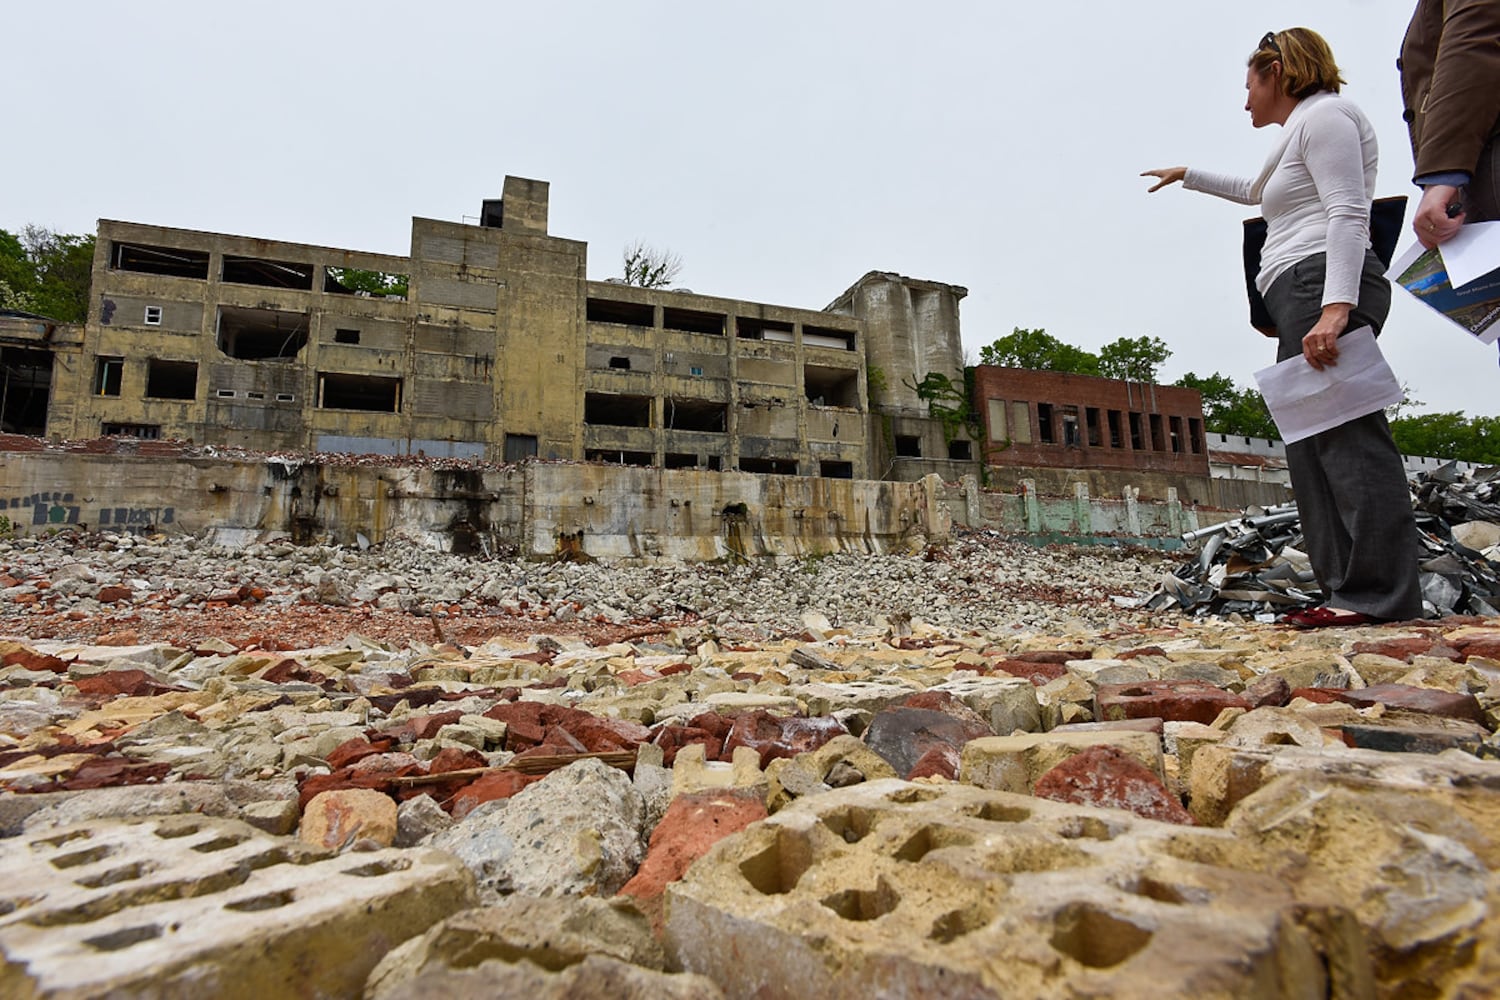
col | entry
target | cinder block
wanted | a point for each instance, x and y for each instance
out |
(188, 906)
(899, 890)
(1014, 763)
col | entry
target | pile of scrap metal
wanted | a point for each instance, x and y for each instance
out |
(1254, 565)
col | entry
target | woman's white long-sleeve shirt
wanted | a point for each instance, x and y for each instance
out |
(1314, 193)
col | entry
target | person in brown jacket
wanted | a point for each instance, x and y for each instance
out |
(1450, 85)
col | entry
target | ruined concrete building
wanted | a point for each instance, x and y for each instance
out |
(489, 342)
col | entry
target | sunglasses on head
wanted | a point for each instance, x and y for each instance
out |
(1268, 41)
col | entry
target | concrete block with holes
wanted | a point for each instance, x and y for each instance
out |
(189, 906)
(903, 890)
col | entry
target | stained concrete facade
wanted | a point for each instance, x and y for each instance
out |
(489, 342)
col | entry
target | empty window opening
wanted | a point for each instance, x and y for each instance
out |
(341, 391)
(769, 466)
(520, 447)
(171, 379)
(1174, 429)
(695, 370)
(696, 415)
(1020, 422)
(908, 446)
(153, 316)
(822, 336)
(225, 393)
(147, 432)
(261, 334)
(25, 382)
(624, 313)
(1069, 419)
(1195, 435)
(285, 397)
(1091, 421)
(715, 463)
(107, 375)
(752, 328)
(270, 273)
(621, 363)
(1046, 433)
(169, 261)
(831, 386)
(255, 395)
(346, 336)
(1158, 439)
(679, 461)
(1115, 440)
(836, 470)
(1137, 443)
(609, 457)
(960, 451)
(616, 411)
(693, 321)
(365, 283)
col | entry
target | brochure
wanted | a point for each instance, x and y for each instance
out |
(1472, 259)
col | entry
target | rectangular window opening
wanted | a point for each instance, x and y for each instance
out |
(622, 363)
(1195, 435)
(520, 447)
(225, 393)
(169, 261)
(822, 336)
(960, 451)
(1091, 425)
(261, 334)
(678, 461)
(255, 395)
(1115, 438)
(831, 386)
(754, 328)
(344, 336)
(268, 273)
(693, 321)
(1137, 443)
(715, 463)
(908, 446)
(609, 410)
(344, 391)
(769, 466)
(285, 397)
(1174, 429)
(153, 316)
(623, 313)
(171, 379)
(107, 375)
(836, 470)
(612, 457)
(1020, 423)
(995, 409)
(365, 283)
(696, 415)
(1046, 432)
(1158, 439)
(1068, 416)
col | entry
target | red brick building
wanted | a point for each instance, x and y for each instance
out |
(1053, 420)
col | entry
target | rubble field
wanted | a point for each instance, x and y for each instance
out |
(981, 770)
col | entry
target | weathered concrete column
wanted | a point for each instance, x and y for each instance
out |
(1083, 510)
(973, 514)
(1033, 509)
(1174, 512)
(1132, 511)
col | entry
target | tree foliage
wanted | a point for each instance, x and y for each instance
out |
(1228, 409)
(1040, 351)
(1134, 358)
(370, 282)
(648, 267)
(1449, 435)
(46, 273)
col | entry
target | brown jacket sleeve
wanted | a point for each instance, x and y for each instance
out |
(1450, 82)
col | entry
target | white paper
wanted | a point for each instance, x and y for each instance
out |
(1472, 305)
(1304, 401)
(1472, 253)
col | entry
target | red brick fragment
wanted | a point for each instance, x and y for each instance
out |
(111, 772)
(940, 762)
(693, 823)
(126, 637)
(1402, 647)
(1173, 701)
(1035, 672)
(112, 683)
(776, 736)
(499, 785)
(1269, 689)
(1108, 777)
(357, 749)
(30, 659)
(290, 670)
(113, 594)
(1131, 654)
(453, 759)
(904, 735)
(1448, 704)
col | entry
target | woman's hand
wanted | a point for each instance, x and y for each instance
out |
(1321, 345)
(1164, 176)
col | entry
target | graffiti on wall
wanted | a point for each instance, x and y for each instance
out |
(53, 509)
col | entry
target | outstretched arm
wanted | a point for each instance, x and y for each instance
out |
(1164, 176)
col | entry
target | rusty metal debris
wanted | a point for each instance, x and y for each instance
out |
(1254, 565)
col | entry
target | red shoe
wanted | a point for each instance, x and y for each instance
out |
(1326, 618)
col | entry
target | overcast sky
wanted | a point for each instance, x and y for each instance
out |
(782, 149)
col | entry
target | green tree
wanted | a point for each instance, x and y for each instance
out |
(46, 273)
(1228, 409)
(370, 282)
(1040, 351)
(1449, 435)
(1134, 358)
(648, 267)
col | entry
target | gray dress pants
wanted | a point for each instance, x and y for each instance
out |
(1349, 481)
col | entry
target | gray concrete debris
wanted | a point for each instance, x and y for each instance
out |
(1254, 565)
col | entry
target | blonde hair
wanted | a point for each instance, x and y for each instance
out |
(1307, 64)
